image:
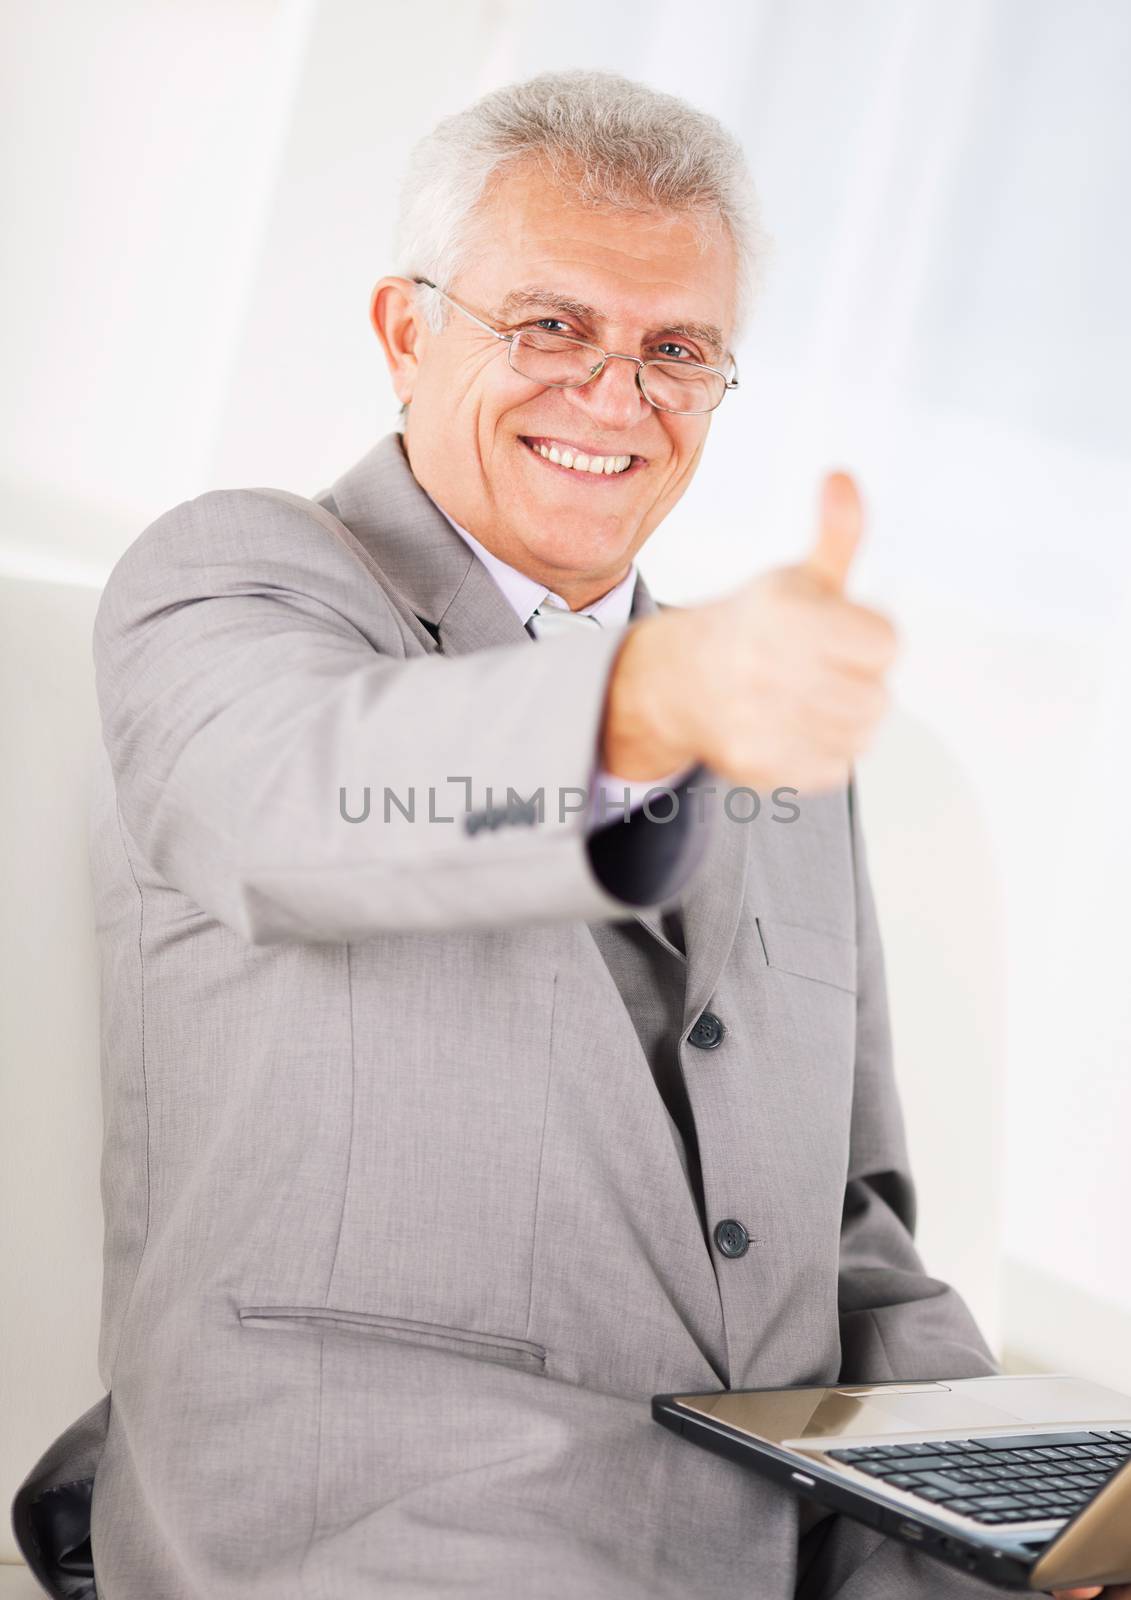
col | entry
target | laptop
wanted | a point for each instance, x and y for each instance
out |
(1022, 1480)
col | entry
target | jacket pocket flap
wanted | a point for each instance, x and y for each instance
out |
(433, 1335)
(809, 952)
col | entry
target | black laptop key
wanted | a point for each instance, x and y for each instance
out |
(912, 1463)
(946, 1482)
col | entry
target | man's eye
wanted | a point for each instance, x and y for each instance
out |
(670, 351)
(559, 325)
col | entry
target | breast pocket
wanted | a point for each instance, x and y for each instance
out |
(809, 952)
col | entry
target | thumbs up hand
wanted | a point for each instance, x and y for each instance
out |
(779, 683)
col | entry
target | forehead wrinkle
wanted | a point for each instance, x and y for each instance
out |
(533, 297)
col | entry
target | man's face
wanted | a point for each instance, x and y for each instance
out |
(647, 283)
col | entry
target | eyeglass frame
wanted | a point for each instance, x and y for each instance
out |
(510, 339)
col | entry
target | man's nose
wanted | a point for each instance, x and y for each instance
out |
(613, 397)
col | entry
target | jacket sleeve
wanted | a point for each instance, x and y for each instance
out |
(896, 1321)
(285, 756)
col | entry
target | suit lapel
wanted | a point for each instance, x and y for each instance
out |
(421, 557)
(709, 907)
(643, 605)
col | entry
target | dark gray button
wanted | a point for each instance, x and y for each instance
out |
(707, 1034)
(732, 1238)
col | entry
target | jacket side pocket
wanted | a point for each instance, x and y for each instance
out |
(427, 1335)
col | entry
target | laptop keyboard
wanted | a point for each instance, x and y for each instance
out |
(1024, 1478)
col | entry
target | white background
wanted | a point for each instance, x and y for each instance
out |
(199, 197)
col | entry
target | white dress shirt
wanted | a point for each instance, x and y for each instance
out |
(609, 797)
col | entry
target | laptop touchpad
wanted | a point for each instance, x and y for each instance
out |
(846, 1416)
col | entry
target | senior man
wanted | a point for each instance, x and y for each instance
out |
(448, 1116)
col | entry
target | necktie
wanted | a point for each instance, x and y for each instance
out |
(550, 619)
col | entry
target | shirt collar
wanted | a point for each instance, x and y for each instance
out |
(526, 594)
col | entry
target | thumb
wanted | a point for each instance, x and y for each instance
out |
(839, 529)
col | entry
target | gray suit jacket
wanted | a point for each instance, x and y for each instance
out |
(398, 1243)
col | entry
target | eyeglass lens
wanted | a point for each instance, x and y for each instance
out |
(555, 359)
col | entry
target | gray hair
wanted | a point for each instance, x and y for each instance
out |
(609, 140)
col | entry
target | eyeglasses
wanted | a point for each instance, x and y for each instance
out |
(559, 361)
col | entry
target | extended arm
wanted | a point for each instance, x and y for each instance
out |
(249, 673)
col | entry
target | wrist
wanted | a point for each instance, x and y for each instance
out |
(647, 729)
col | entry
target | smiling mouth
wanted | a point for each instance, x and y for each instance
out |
(567, 458)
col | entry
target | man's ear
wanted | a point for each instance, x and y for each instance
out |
(399, 326)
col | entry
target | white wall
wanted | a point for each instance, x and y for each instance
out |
(140, 152)
(203, 196)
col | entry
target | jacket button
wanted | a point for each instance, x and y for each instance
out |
(707, 1033)
(732, 1238)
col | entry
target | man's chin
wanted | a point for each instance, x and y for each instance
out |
(572, 552)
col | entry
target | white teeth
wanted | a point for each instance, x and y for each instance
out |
(599, 466)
